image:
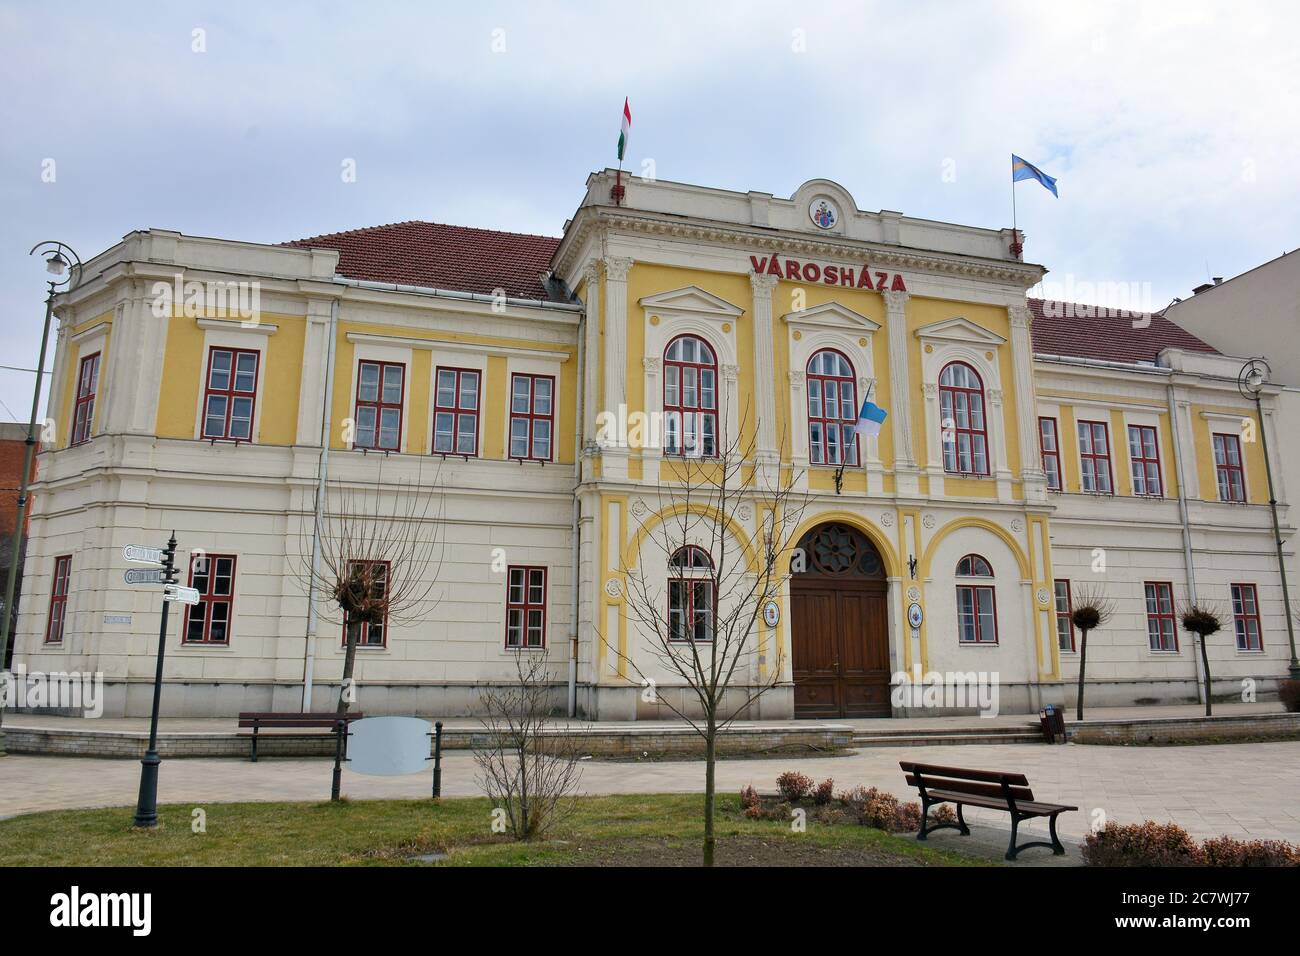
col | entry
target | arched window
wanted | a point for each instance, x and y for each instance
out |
(977, 610)
(692, 597)
(832, 410)
(961, 413)
(690, 398)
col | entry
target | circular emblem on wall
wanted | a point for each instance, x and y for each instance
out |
(744, 512)
(1044, 597)
(823, 213)
(915, 615)
(914, 593)
(771, 614)
(928, 521)
(887, 519)
(614, 587)
(639, 507)
(1017, 525)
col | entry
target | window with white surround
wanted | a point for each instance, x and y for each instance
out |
(832, 410)
(692, 596)
(58, 599)
(690, 398)
(526, 608)
(961, 410)
(1094, 458)
(1162, 627)
(83, 418)
(455, 411)
(208, 622)
(1064, 615)
(1245, 617)
(229, 394)
(1228, 472)
(381, 387)
(977, 612)
(532, 417)
(1049, 445)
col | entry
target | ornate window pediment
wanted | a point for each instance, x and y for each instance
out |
(831, 315)
(691, 300)
(959, 329)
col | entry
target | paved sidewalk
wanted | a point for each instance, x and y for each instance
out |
(1242, 790)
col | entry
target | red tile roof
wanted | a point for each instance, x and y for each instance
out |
(442, 257)
(1068, 328)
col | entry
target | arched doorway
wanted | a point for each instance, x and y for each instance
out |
(839, 626)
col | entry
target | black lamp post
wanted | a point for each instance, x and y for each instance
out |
(64, 268)
(146, 808)
(1250, 382)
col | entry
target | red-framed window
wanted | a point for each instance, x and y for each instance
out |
(58, 599)
(961, 411)
(832, 410)
(208, 622)
(373, 633)
(1094, 458)
(83, 417)
(1049, 445)
(1064, 610)
(690, 398)
(1245, 617)
(1162, 627)
(1144, 459)
(230, 391)
(455, 411)
(977, 608)
(526, 607)
(381, 386)
(692, 595)
(532, 417)
(1227, 468)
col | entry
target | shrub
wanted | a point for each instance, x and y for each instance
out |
(824, 793)
(794, 786)
(1141, 844)
(943, 813)
(1289, 692)
(749, 798)
(1226, 851)
(832, 815)
(753, 811)
(909, 818)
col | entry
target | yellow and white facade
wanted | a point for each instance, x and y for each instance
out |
(670, 261)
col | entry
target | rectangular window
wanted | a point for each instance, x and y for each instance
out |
(1064, 610)
(1144, 458)
(229, 393)
(1051, 452)
(208, 622)
(526, 607)
(532, 416)
(83, 417)
(1162, 628)
(1245, 616)
(455, 412)
(380, 389)
(977, 619)
(1094, 458)
(58, 599)
(373, 633)
(1227, 468)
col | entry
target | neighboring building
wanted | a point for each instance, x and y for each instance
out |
(1030, 449)
(13, 442)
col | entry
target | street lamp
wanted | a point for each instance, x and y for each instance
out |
(64, 278)
(1251, 380)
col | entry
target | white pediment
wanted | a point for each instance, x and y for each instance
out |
(959, 330)
(831, 315)
(691, 301)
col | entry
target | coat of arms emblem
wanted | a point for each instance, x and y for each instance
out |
(822, 213)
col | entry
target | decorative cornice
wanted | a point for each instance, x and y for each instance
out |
(1023, 274)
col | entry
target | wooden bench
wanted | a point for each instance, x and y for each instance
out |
(332, 722)
(991, 789)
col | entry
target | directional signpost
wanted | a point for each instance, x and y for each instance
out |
(146, 809)
(143, 576)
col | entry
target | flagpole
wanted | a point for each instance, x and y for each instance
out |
(844, 458)
(1016, 245)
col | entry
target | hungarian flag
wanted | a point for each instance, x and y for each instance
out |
(627, 128)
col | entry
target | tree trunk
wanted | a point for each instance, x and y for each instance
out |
(710, 757)
(1083, 661)
(349, 661)
(1205, 665)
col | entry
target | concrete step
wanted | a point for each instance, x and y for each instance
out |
(951, 738)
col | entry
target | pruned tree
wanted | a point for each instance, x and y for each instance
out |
(697, 588)
(1203, 620)
(378, 559)
(529, 773)
(1091, 609)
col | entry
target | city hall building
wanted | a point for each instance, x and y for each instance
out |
(1032, 451)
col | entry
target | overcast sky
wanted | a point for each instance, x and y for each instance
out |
(1174, 128)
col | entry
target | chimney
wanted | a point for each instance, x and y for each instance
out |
(1202, 287)
(1218, 280)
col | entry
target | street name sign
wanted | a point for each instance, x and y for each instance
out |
(174, 592)
(139, 554)
(144, 576)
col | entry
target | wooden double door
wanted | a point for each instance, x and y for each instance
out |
(840, 629)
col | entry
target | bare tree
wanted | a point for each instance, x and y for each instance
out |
(698, 586)
(527, 772)
(380, 555)
(1203, 620)
(1091, 609)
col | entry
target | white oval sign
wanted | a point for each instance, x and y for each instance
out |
(771, 614)
(914, 615)
(389, 746)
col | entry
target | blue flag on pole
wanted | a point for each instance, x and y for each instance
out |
(870, 418)
(1023, 170)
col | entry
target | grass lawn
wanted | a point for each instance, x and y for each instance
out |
(640, 830)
